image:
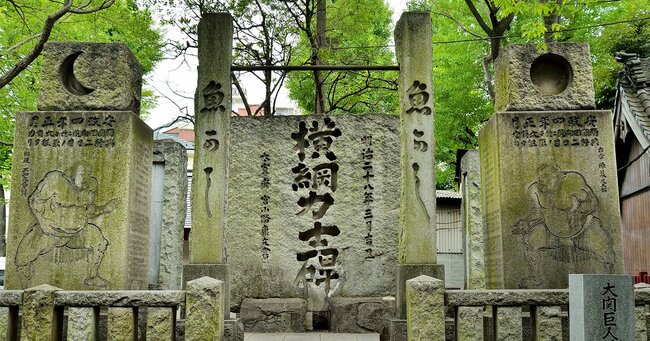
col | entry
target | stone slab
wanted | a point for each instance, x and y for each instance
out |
(360, 314)
(549, 198)
(406, 272)
(274, 315)
(278, 248)
(89, 76)
(558, 79)
(172, 157)
(220, 272)
(472, 221)
(601, 307)
(80, 201)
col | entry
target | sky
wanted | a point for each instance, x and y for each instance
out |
(174, 81)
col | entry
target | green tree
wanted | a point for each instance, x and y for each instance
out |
(263, 35)
(477, 29)
(353, 35)
(26, 25)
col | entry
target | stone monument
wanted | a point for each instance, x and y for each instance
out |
(601, 307)
(212, 105)
(81, 175)
(417, 223)
(318, 217)
(470, 186)
(548, 172)
(168, 209)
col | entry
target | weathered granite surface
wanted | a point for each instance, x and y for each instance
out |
(472, 221)
(508, 323)
(89, 76)
(204, 319)
(122, 324)
(360, 314)
(174, 206)
(38, 318)
(212, 105)
(406, 272)
(80, 201)
(601, 307)
(470, 323)
(278, 232)
(425, 309)
(417, 224)
(82, 324)
(220, 272)
(274, 315)
(549, 198)
(558, 79)
(549, 323)
(160, 322)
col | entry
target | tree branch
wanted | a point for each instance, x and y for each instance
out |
(478, 17)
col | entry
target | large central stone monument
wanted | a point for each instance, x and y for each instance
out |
(81, 175)
(548, 172)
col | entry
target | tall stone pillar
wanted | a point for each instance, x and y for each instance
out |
(470, 187)
(212, 107)
(548, 172)
(417, 224)
(82, 175)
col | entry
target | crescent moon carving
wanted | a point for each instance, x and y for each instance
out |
(70, 82)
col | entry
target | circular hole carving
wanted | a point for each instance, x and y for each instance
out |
(551, 74)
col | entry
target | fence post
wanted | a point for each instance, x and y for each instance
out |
(41, 321)
(83, 323)
(204, 309)
(425, 309)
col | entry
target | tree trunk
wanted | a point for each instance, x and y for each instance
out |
(321, 17)
(3, 220)
(549, 21)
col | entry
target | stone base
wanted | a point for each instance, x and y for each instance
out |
(408, 271)
(274, 315)
(216, 271)
(233, 330)
(395, 330)
(360, 314)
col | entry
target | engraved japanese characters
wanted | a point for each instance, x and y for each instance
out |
(319, 216)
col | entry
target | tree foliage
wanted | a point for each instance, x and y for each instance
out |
(463, 96)
(22, 24)
(263, 35)
(354, 35)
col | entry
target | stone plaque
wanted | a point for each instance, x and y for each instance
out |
(601, 307)
(80, 201)
(550, 198)
(313, 206)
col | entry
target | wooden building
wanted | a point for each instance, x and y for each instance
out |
(632, 131)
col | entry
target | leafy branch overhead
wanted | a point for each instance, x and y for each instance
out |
(68, 7)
